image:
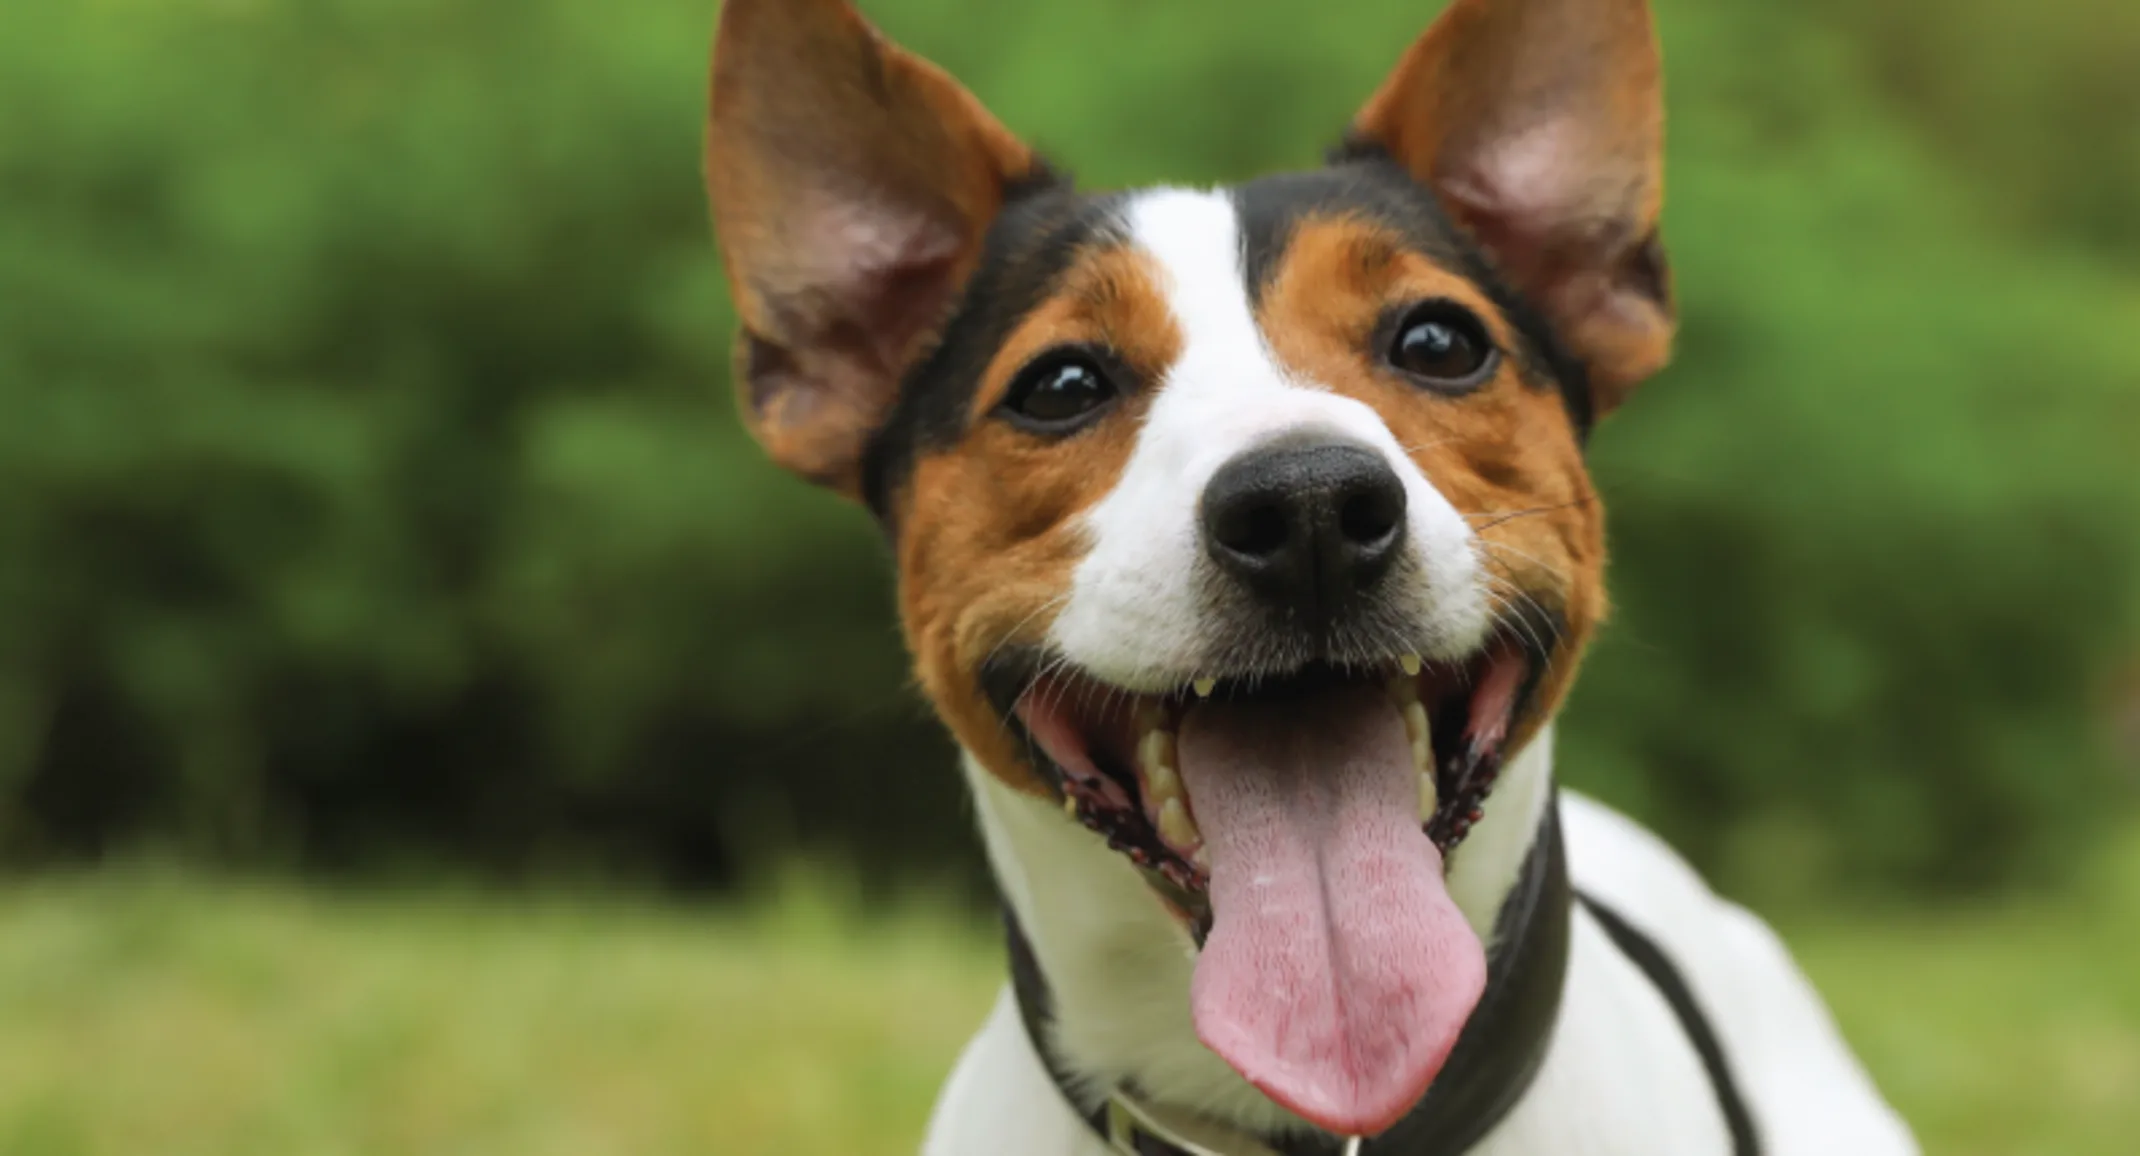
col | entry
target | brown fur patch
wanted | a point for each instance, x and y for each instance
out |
(989, 530)
(1505, 455)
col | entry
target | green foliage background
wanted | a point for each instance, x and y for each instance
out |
(369, 489)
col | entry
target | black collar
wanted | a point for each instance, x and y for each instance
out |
(1495, 1058)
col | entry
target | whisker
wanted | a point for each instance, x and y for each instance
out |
(1422, 447)
(1008, 635)
(1503, 517)
(1507, 550)
(1525, 612)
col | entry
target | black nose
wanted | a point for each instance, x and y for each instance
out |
(1307, 526)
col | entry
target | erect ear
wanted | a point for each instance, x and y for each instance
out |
(852, 186)
(1540, 125)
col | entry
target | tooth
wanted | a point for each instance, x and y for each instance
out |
(1175, 826)
(1157, 747)
(1415, 729)
(1410, 663)
(1201, 859)
(1402, 690)
(1204, 687)
(1160, 778)
(1163, 783)
(1429, 798)
(1070, 805)
(1150, 716)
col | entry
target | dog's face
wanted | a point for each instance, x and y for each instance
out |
(1294, 430)
(1193, 493)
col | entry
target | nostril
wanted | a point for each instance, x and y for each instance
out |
(1256, 530)
(1370, 517)
(1308, 526)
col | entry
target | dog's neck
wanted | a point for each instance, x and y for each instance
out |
(1118, 965)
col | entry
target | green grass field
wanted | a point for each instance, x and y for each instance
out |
(148, 1013)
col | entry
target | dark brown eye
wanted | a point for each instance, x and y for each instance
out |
(1442, 344)
(1060, 393)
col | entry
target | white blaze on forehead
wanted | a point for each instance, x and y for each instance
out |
(1141, 613)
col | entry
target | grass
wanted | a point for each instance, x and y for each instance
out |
(150, 1013)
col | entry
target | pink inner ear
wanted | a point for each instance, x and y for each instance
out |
(1562, 215)
(868, 277)
(1541, 179)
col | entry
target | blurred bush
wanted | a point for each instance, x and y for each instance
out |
(369, 491)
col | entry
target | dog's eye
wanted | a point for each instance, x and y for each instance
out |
(1059, 393)
(1444, 345)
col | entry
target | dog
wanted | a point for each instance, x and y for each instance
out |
(1245, 544)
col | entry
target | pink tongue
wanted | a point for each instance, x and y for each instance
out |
(1338, 972)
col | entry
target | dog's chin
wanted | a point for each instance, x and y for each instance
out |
(1297, 824)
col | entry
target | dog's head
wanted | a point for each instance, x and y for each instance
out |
(1252, 524)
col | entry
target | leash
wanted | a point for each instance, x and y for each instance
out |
(1495, 1059)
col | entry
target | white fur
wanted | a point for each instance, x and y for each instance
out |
(1136, 616)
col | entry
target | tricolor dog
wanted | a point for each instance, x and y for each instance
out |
(1244, 542)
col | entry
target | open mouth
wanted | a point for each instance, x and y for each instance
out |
(1116, 756)
(1299, 826)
